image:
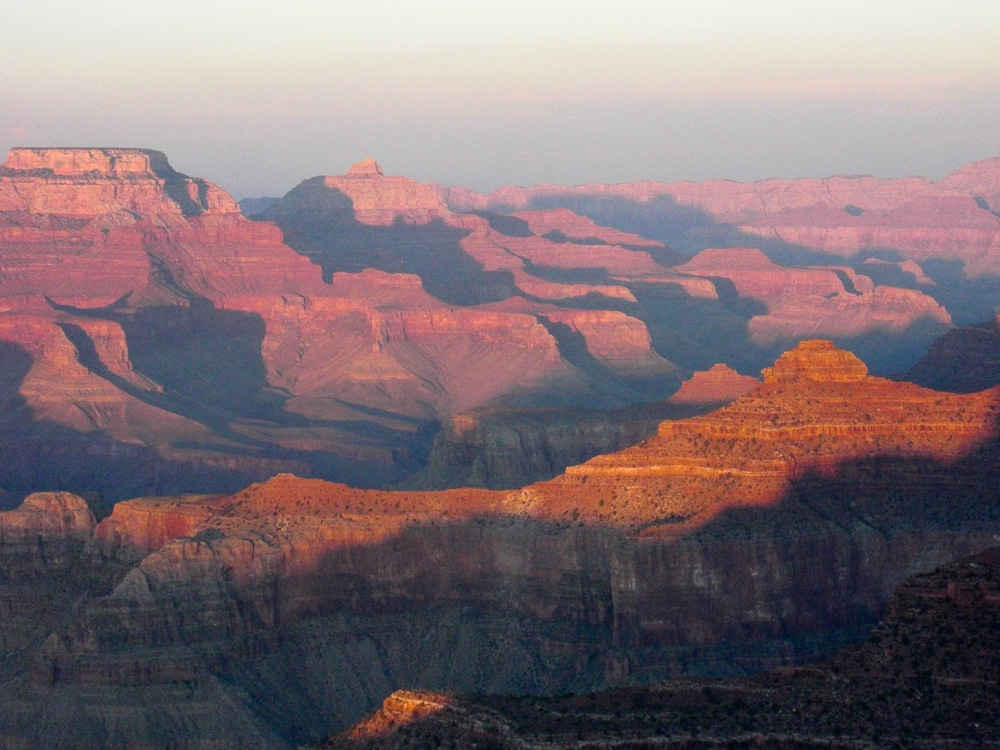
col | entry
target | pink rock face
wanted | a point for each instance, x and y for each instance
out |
(720, 384)
(52, 515)
(804, 301)
(981, 179)
(109, 255)
(83, 162)
(952, 218)
(578, 227)
(379, 200)
(88, 182)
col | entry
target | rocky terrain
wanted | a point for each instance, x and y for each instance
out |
(766, 532)
(628, 501)
(942, 237)
(927, 677)
(154, 340)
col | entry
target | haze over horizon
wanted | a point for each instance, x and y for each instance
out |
(257, 97)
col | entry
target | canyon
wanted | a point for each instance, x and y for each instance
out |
(156, 341)
(760, 534)
(940, 237)
(259, 473)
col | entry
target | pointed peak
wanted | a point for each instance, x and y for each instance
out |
(365, 168)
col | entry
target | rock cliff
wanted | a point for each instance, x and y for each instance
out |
(927, 676)
(964, 360)
(951, 218)
(502, 448)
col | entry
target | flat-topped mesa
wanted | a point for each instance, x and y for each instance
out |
(88, 182)
(88, 162)
(817, 360)
(379, 200)
(53, 514)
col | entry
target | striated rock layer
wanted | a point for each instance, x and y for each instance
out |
(927, 676)
(953, 218)
(768, 530)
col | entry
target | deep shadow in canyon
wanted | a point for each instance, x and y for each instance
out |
(41, 455)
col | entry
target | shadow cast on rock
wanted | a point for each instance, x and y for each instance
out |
(318, 222)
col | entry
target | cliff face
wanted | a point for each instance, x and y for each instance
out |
(744, 538)
(831, 301)
(964, 360)
(501, 448)
(950, 218)
(927, 674)
(188, 348)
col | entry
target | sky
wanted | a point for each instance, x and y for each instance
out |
(257, 96)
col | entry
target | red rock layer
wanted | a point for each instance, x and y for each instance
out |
(720, 384)
(816, 410)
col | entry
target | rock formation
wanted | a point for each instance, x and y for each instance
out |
(380, 200)
(927, 675)
(946, 232)
(951, 218)
(750, 537)
(152, 331)
(503, 448)
(714, 387)
(964, 360)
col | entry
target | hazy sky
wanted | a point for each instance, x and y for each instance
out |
(257, 95)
